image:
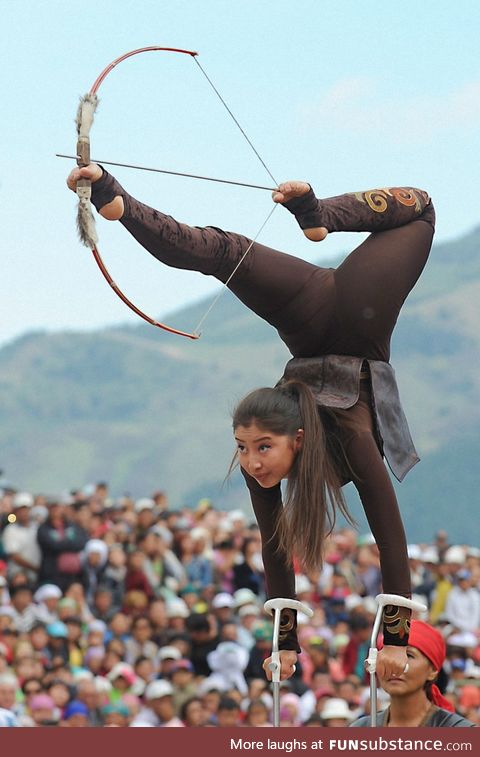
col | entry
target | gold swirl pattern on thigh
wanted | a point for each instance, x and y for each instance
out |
(376, 199)
(406, 196)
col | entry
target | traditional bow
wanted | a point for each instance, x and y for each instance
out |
(85, 219)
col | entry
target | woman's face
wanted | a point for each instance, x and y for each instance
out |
(420, 670)
(266, 456)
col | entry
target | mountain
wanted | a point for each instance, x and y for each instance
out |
(145, 410)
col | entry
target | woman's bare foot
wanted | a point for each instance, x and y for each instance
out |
(114, 210)
(290, 189)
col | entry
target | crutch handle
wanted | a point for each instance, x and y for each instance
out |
(396, 599)
(371, 661)
(280, 603)
(275, 607)
(383, 600)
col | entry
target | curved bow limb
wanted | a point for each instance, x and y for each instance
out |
(86, 218)
(86, 223)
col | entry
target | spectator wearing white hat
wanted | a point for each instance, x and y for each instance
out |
(195, 557)
(8, 690)
(95, 555)
(427, 586)
(336, 713)
(159, 709)
(177, 612)
(166, 657)
(47, 597)
(20, 540)
(244, 596)
(463, 604)
(122, 677)
(248, 614)
(222, 606)
(417, 568)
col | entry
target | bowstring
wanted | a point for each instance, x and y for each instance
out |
(225, 285)
(236, 121)
(252, 146)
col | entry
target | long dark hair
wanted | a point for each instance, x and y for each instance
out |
(313, 492)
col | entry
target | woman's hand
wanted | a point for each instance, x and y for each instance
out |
(391, 662)
(288, 191)
(288, 658)
(114, 210)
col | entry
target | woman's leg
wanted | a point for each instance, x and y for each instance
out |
(266, 281)
(374, 280)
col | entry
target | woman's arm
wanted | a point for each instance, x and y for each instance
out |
(279, 576)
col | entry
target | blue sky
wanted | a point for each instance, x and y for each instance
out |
(346, 95)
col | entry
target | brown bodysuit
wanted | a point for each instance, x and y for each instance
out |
(347, 311)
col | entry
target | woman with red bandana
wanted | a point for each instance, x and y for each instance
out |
(415, 699)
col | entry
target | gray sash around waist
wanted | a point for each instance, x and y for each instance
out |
(335, 382)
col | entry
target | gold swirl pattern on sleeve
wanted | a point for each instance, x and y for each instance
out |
(287, 622)
(396, 622)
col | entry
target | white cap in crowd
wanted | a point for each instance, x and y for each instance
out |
(430, 555)
(158, 689)
(222, 600)
(169, 653)
(246, 610)
(144, 503)
(177, 608)
(336, 708)
(454, 555)
(244, 597)
(47, 591)
(22, 499)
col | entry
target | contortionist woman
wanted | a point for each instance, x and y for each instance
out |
(338, 391)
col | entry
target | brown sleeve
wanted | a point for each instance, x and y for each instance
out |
(371, 210)
(279, 575)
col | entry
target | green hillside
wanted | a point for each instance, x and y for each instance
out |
(146, 410)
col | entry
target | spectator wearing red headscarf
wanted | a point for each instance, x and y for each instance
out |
(415, 699)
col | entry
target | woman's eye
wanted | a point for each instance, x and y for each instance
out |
(263, 447)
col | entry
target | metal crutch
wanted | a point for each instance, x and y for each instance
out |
(275, 606)
(371, 661)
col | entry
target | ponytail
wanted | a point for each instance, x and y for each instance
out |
(313, 492)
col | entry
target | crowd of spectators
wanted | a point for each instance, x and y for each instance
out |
(123, 612)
